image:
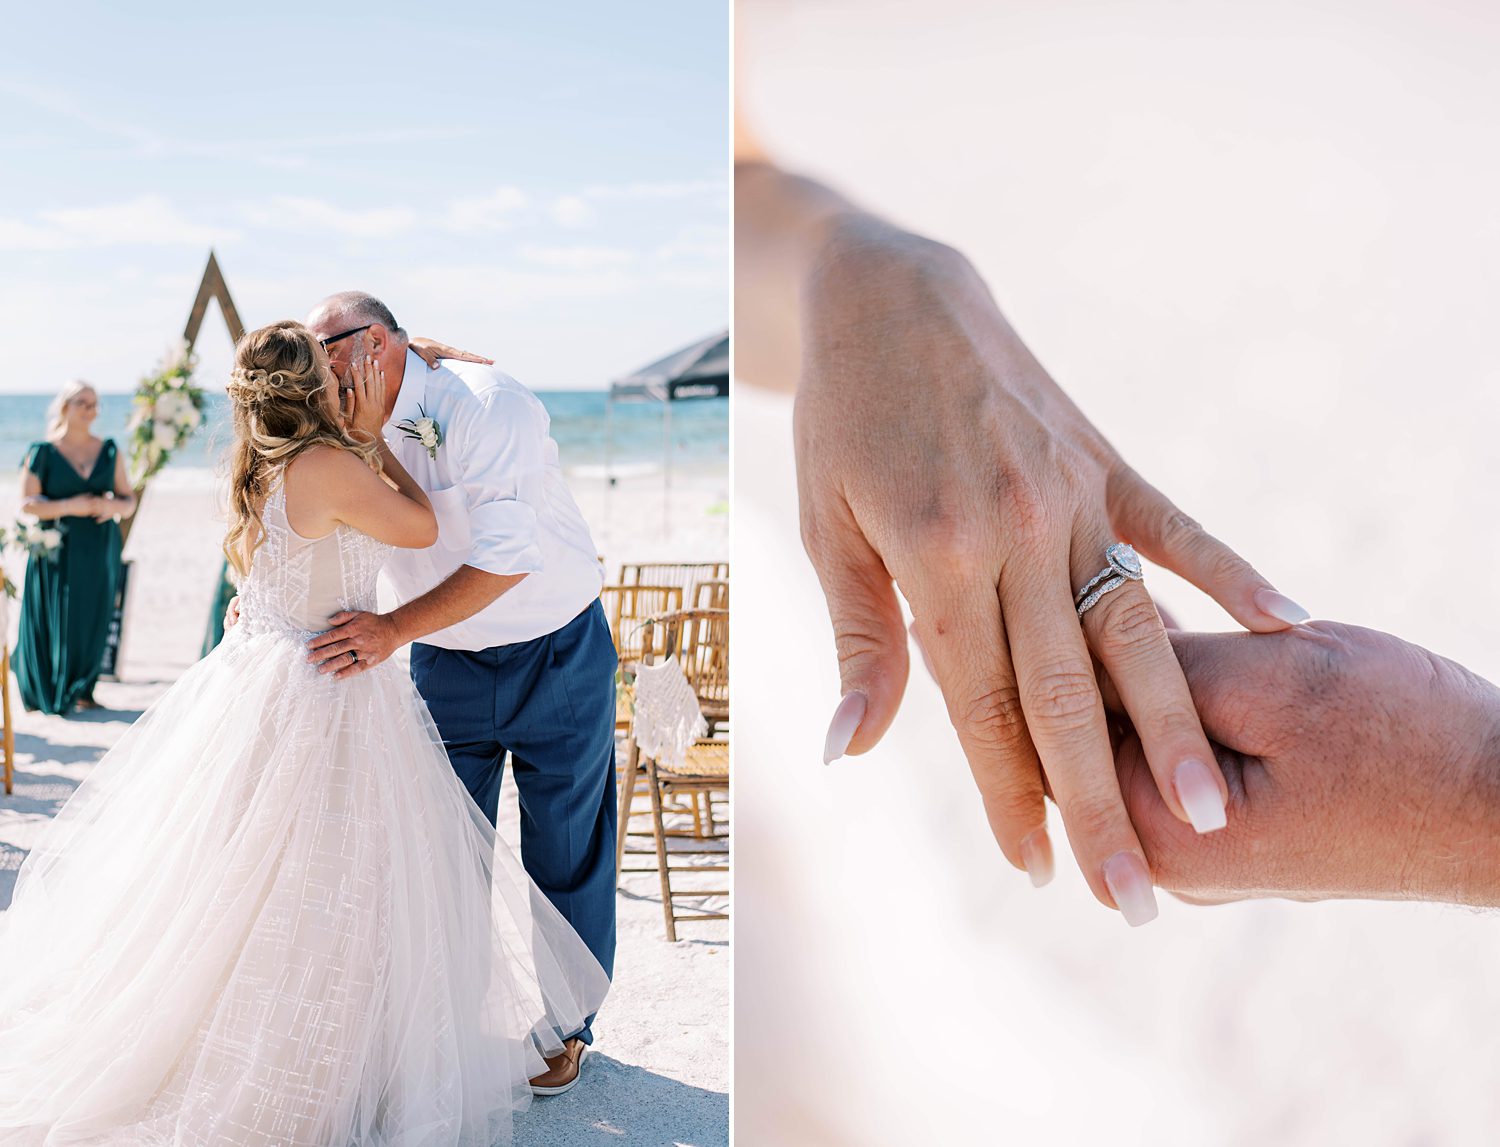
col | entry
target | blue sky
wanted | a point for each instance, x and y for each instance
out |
(546, 183)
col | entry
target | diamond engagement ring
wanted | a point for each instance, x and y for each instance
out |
(1124, 565)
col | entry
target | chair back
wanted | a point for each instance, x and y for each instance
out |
(628, 606)
(711, 594)
(699, 639)
(684, 574)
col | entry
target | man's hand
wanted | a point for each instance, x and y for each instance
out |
(1358, 766)
(356, 642)
(433, 352)
(232, 612)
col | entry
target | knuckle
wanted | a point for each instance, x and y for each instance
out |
(858, 641)
(950, 542)
(1011, 796)
(1129, 626)
(1093, 817)
(1179, 531)
(1023, 512)
(995, 720)
(1062, 696)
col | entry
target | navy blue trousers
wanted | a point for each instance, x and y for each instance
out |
(549, 704)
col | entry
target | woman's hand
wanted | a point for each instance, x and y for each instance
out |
(363, 404)
(1358, 766)
(103, 508)
(433, 352)
(933, 449)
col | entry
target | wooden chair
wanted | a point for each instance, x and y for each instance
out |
(627, 607)
(699, 639)
(712, 593)
(684, 574)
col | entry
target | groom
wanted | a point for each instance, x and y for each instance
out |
(510, 647)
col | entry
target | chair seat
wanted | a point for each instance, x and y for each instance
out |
(706, 760)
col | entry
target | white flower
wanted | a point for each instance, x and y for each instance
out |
(51, 539)
(424, 430)
(163, 436)
(33, 533)
(170, 405)
(190, 417)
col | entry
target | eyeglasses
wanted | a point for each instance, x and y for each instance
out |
(328, 342)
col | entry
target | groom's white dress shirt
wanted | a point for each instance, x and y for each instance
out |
(501, 503)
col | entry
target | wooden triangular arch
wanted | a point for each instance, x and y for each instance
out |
(213, 287)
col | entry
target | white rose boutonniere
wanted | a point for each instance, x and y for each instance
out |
(424, 430)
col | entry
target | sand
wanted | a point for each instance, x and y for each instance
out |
(660, 1074)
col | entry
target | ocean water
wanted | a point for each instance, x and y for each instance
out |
(699, 431)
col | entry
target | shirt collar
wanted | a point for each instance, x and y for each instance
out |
(413, 392)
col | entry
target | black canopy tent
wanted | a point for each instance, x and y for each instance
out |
(697, 371)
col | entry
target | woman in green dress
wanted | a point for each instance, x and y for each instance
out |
(77, 484)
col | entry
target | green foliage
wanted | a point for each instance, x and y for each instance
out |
(168, 409)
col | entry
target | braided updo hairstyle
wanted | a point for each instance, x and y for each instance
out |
(279, 393)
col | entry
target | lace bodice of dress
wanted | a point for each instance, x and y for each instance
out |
(296, 584)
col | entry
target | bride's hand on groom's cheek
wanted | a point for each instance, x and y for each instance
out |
(1358, 766)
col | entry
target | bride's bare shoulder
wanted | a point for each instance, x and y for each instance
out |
(320, 482)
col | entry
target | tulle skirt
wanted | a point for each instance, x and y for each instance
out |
(273, 916)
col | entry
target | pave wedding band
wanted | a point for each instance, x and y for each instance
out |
(1124, 565)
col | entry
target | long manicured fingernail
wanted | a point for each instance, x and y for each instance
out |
(1036, 855)
(1130, 884)
(1200, 796)
(1279, 606)
(845, 724)
(922, 649)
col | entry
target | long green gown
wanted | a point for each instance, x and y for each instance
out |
(66, 605)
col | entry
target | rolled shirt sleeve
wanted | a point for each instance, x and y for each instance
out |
(504, 466)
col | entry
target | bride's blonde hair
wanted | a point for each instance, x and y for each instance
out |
(281, 408)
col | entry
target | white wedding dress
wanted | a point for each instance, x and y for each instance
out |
(273, 916)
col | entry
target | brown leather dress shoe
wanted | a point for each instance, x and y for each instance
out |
(562, 1069)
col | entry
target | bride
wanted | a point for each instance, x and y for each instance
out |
(272, 915)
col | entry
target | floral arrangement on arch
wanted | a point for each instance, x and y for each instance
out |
(168, 408)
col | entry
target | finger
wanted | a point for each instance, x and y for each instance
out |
(332, 637)
(1157, 528)
(962, 633)
(1065, 718)
(328, 653)
(342, 617)
(1199, 869)
(1126, 633)
(351, 669)
(868, 630)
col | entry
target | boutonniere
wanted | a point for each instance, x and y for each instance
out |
(424, 430)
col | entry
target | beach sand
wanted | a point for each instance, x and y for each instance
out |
(661, 1070)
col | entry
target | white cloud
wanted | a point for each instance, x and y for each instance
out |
(577, 258)
(572, 211)
(493, 212)
(296, 213)
(147, 220)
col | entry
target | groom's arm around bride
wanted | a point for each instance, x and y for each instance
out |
(510, 647)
